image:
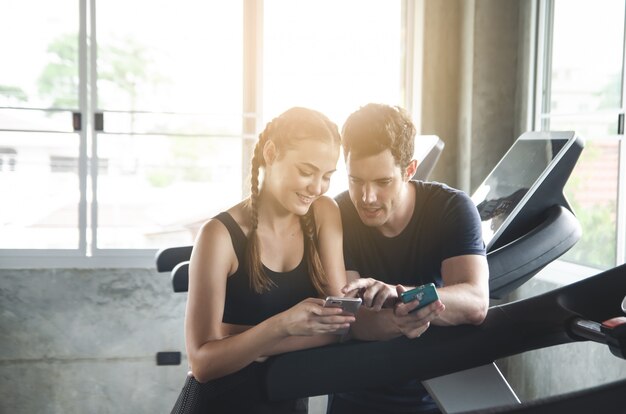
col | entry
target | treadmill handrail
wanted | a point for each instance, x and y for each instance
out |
(180, 277)
(166, 259)
(509, 329)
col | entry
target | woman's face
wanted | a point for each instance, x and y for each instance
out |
(297, 176)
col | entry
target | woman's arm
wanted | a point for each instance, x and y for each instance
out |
(212, 352)
(330, 236)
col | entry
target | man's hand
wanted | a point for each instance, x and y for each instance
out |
(413, 325)
(375, 294)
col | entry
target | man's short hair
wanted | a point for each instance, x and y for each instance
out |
(373, 128)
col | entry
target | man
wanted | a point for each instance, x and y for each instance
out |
(399, 234)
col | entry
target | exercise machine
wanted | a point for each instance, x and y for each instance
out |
(530, 224)
(527, 224)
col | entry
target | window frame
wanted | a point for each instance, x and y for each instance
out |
(540, 107)
(411, 15)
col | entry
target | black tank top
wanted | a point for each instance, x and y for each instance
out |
(243, 305)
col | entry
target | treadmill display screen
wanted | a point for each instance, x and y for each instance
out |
(515, 177)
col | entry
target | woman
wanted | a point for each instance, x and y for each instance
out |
(259, 270)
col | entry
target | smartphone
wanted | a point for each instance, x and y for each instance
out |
(349, 305)
(425, 294)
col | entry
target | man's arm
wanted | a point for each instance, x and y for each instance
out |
(464, 299)
(465, 290)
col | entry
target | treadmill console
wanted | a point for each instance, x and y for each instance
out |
(527, 181)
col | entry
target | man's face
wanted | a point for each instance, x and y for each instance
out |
(375, 185)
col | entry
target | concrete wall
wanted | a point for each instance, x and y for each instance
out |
(494, 85)
(85, 341)
(441, 82)
(475, 81)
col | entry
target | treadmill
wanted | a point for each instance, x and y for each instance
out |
(528, 229)
(527, 223)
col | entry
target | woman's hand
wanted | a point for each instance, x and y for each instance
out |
(310, 317)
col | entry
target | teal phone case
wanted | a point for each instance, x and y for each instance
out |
(425, 294)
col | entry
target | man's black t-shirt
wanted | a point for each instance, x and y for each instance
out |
(445, 224)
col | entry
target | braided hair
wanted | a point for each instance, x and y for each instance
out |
(285, 131)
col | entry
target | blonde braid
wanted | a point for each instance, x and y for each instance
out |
(314, 263)
(259, 281)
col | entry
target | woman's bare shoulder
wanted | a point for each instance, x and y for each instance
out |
(325, 205)
(215, 228)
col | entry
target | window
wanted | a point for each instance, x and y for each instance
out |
(119, 133)
(122, 136)
(581, 89)
(169, 91)
(331, 56)
(325, 55)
